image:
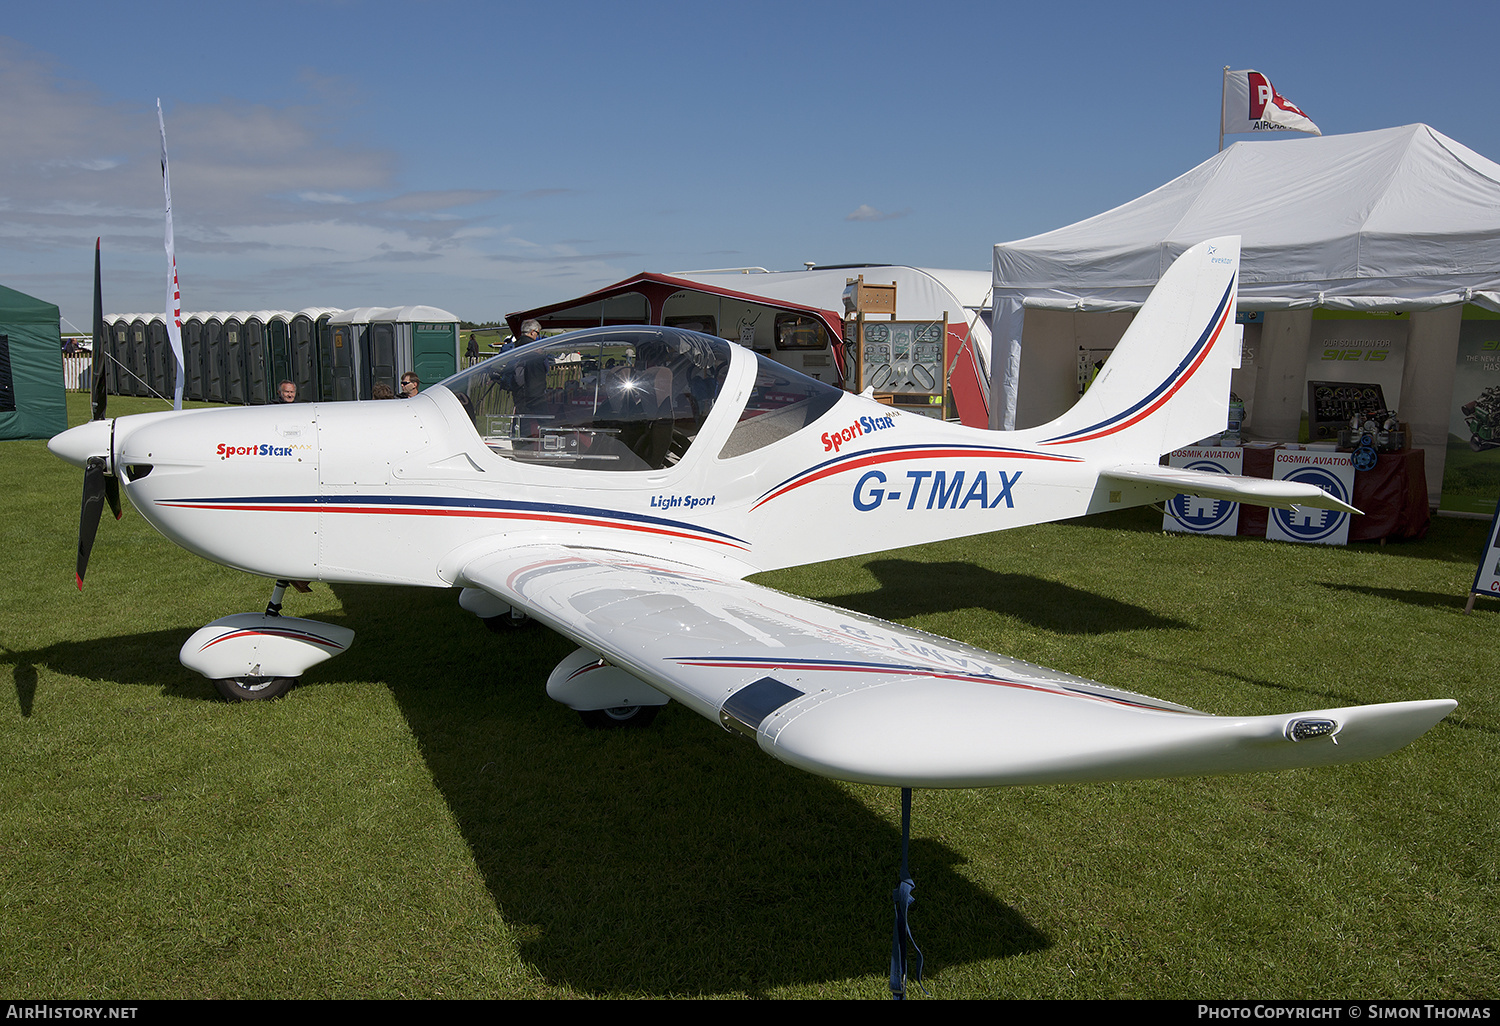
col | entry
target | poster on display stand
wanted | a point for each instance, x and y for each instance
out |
(1195, 514)
(1331, 471)
(903, 357)
(1487, 576)
(1364, 353)
(1471, 469)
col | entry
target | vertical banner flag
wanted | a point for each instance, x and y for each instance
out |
(174, 294)
(1252, 104)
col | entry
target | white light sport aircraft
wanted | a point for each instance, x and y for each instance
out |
(617, 485)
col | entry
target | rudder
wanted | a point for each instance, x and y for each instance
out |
(1166, 384)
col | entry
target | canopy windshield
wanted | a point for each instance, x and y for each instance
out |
(600, 399)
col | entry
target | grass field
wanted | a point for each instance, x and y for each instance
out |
(418, 820)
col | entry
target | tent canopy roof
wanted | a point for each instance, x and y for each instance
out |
(1401, 218)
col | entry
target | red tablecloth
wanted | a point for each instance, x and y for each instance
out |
(1393, 496)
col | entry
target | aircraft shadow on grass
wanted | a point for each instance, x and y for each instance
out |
(148, 658)
(656, 860)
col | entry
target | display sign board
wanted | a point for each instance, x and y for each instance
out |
(1331, 405)
(1198, 515)
(1331, 471)
(1357, 352)
(1487, 577)
(903, 357)
(1471, 469)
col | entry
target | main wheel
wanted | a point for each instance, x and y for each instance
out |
(507, 622)
(254, 689)
(620, 716)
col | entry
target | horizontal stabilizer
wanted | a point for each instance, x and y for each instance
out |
(1257, 491)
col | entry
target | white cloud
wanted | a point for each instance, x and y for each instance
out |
(272, 207)
(865, 212)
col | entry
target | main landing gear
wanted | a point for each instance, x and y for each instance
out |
(255, 657)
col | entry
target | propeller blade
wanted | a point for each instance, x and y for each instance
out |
(95, 485)
(99, 395)
(112, 494)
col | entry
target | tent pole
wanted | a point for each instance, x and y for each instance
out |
(1223, 92)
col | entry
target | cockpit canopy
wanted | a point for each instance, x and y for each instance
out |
(630, 398)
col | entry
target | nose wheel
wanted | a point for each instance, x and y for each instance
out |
(253, 689)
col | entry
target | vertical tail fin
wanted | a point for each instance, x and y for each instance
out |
(1167, 383)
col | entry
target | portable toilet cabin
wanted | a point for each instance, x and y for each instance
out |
(116, 331)
(256, 353)
(422, 339)
(378, 353)
(192, 356)
(215, 358)
(345, 353)
(232, 334)
(278, 353)
(137, 358)
(163, 360)
(305, 363)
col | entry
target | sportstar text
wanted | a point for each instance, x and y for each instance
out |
(264, 449)
(833, 441)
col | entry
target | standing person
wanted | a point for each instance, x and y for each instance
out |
(530, 332)
(410, 384)
(472, 353)
(286, 392)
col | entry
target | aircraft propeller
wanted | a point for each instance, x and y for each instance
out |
(100, 484)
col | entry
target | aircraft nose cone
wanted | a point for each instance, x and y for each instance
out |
(77, 445)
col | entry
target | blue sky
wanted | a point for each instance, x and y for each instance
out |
(487, 157)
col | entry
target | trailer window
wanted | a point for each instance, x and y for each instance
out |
(800, 331)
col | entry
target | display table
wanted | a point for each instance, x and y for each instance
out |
(1392, 494)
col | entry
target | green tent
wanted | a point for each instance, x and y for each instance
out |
(32, 404)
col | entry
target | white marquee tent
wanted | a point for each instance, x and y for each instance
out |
(1401, 219)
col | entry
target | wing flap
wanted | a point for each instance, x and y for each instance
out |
(852, 697)
(1257, 491)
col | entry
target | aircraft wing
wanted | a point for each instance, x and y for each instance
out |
(852, 697)
(1258, 491)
